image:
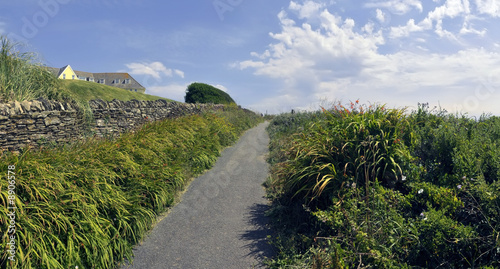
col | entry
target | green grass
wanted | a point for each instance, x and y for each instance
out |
(84, 91)
(87, 204)
(22, 77)
(374, 187)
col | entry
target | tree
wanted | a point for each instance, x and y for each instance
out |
(204, 93)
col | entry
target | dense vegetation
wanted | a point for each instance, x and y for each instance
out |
(370, 187)
(87, 204)
(22, 77)
(204, 93)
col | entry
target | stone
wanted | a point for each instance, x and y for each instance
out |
(37, 106)
(100, 123)
(18, 108)
(25, 121)
(52, 121)
(26, 105)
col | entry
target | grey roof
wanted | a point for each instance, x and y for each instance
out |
(110, 80)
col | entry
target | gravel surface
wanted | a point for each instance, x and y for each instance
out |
(220, 220)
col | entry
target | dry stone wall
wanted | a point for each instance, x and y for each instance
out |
(31, 123)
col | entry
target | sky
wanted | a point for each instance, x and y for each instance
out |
(279, 55)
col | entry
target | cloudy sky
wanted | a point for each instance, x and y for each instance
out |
(274, 56)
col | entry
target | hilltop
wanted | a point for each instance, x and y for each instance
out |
(86, 91)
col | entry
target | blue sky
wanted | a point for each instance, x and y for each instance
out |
(274, 56)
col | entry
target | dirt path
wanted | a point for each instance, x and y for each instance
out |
(220, 221)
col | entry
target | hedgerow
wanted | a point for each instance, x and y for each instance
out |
(372, 187)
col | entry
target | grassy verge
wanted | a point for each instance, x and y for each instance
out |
(371, 187)
(87, 204)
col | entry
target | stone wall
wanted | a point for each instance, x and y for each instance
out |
(41, 121)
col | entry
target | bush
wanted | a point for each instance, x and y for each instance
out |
(204, 93)
(379, 188)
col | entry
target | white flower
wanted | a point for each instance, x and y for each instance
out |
(403, 178)
(420, 191)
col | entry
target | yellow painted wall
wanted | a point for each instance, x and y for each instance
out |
(68, 73)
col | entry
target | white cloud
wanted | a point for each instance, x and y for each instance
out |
(489, 7)
(308, 9)
(179, 73)
(380, 15)
(171, 91)
(396, 6)
(221, 87)
(434, 20)
(404, 31)
(335, 60)
(154, 69)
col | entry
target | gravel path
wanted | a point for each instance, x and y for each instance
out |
(220, 221)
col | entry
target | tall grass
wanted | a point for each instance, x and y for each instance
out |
(371, 187)
(87, 204)
(22, 77)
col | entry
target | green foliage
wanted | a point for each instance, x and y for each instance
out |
(87, 204)
(379, 188)
(204, 93)
(21, 77)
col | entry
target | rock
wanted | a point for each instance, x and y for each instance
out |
(26, 105)
(52, 121)
(18, 108)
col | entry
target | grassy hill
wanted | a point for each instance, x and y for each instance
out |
(86, 91)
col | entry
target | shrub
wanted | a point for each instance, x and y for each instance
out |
(204, 93)
(379, 188)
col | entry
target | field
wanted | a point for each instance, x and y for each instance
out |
(360, 186)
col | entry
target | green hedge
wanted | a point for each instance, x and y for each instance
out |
(204, 93)
(87, 204)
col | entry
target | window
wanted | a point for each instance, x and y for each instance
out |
(126, 81)
(101, 81)
(116, 81)
(64, 76)
(135, 89)
(90, 79)
(72, 76)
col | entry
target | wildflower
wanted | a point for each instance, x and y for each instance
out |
(422, 215)
(357, 101)
(464, 177)
(403, 178)
(459, 187)
(420, 191)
